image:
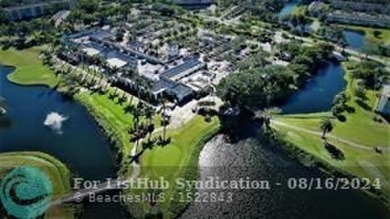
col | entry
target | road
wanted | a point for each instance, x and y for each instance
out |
(307, 40)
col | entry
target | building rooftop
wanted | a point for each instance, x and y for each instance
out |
(384, 103)
(189, 64)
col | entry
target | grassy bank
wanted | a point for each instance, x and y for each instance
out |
(111, 117)
(54, 169)
(356, 138)
(179, 159)
(176, 160)
(29, 68)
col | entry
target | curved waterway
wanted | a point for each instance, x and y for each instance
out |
(318, 93)
(40, 119)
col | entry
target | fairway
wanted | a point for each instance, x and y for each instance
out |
(356, 138)
(172, 157)
(29, 68)
(179, 159)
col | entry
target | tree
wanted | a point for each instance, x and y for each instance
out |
(256, 88)
(119, 35)
(164, 118)
(326, 126)
(149, 113)
(360, 93)
(89, 6)
(340, 99)
(370, 72)
(136, 117)
(377, 33)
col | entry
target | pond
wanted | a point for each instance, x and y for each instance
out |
(355, 40)
(288, 8)
(318, 92)
(40, 119)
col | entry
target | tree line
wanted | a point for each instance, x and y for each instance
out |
(261, 87)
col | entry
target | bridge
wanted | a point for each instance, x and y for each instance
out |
(111, 185)
(80, 195)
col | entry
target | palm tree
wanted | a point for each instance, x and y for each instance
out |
(149, 113)
(164, 119)
(267, 114)
(326, 126)
(136, 115)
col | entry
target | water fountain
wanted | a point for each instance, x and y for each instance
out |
(54, 121)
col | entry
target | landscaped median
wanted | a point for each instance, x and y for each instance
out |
(56, 171)
(357, 138)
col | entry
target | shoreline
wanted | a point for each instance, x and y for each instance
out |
(119, 143)
(302, 157)
(305, 146)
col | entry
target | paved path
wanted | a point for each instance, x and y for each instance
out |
(115, 184)
(347, 142)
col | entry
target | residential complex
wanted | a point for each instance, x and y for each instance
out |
(176, 76)
(369, 7)
(359, 18)
(383, 106)
(366, 13)
(37, 9)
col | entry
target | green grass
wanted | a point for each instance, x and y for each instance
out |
(29, 68)
(54, 169)
(179, 159)
(110, 116)
(359, 128)
(177, 153)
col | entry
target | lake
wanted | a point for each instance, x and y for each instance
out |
(288, 8)
(355, 40)
(251, 159)
(78, 141)
(318, 92)
(254, 159)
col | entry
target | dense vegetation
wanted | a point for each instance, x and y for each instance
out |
(371, 74)
(260, 86)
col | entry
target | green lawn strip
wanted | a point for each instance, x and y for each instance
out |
(179, 159)
(57, 172)
(29, 68)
